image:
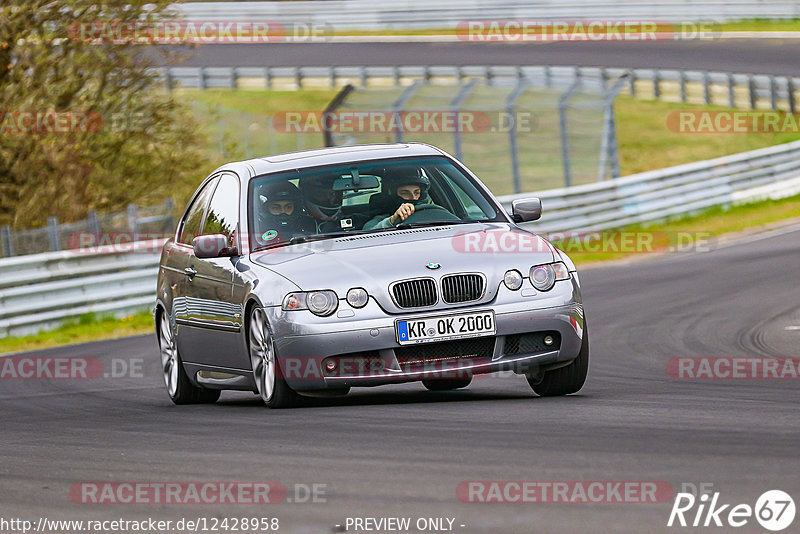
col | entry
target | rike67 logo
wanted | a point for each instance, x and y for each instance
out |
(774, 510)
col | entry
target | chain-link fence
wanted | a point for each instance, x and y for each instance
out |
(516, 136)
(134, 224)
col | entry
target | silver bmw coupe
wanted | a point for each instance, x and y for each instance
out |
(309, 273)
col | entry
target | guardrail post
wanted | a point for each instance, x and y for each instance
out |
(773, 93)
(682, 78)
(167, 73)
(362, 74)
(548, 77)
(512, 133)
(604, 77)
(395, 76)
(202, 81)
(332, 77)
(8, 243)
(632, 85)
(169, 209)
(397, 108)
(731, 92)
(234, 78)
(751, 85)
(455, 106)
(706, 87)
(657, 84)
(489, 76)
(298, 77)
(267, 78)
(608, 143)
(564, 131)
(52, 233)
(132, 222)
(460, 75)
(94, 224)
(790, 90)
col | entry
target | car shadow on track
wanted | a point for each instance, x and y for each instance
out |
(372, 398)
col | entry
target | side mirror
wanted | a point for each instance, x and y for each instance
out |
(526, 209)
(212, 246)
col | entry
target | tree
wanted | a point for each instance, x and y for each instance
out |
(83, 123)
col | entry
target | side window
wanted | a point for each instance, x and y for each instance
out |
(190, 226)
(223, 212)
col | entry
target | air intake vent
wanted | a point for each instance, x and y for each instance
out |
(416, 293)
(462, 288)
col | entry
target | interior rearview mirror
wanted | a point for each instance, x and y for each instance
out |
(347, 183)
(526, 209)
(212, 246)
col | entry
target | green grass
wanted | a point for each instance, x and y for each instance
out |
(695, 229)
(86, 328)
(646, 143)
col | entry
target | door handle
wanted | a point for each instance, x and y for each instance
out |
(190, 272)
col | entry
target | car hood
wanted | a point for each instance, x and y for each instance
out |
(375, 260)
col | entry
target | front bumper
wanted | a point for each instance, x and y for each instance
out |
(364, 342)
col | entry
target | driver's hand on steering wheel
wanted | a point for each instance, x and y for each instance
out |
(402, 213)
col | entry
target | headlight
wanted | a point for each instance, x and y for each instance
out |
(320, 303)
(357, 297)
(543, 277)
(513, 279)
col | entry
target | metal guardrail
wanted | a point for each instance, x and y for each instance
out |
(388, 14)
(137, 222)
(41, 290)
(772, 172)
(748, 91)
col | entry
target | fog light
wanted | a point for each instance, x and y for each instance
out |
(330, 366)
(357, 297)
(513, 279)
(548, 340)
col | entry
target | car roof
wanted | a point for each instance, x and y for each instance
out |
(330, 156)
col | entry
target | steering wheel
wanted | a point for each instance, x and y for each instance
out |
(429, 213)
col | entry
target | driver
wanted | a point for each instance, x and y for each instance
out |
(283, 218)
(401, 195)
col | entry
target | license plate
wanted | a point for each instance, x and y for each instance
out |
(444, 327)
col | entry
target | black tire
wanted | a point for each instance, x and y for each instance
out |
(564, 380)
(262, 356)
(188, 393)
(185, 392)
(445, 384)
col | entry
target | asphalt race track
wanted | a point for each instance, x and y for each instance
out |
(402, 451)
(760, 56)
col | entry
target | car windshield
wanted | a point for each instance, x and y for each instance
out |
(362, 197)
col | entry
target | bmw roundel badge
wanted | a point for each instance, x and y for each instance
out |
(433, 266)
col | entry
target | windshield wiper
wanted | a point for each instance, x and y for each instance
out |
(406, 226)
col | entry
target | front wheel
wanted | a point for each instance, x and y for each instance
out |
(179, 388)
(564, 380)
(272, 389)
